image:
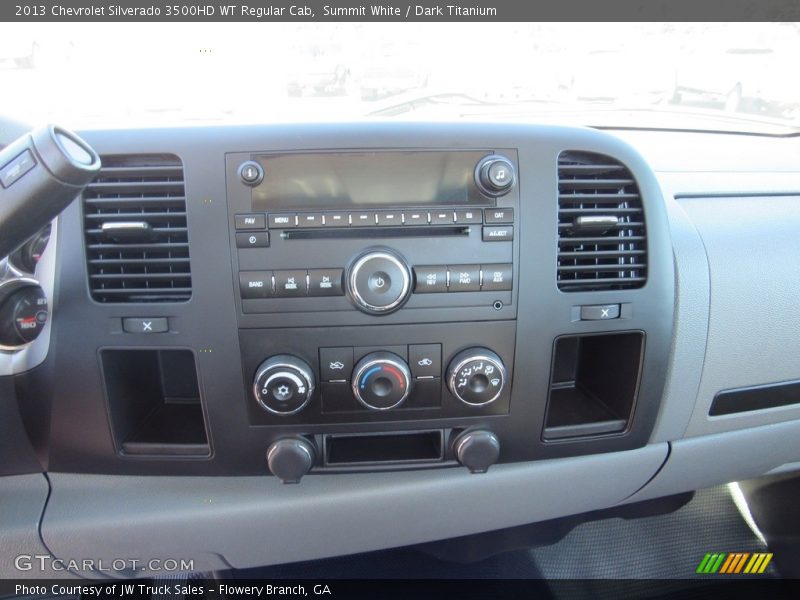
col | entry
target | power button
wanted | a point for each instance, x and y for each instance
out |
(251, 173)
(379, 282)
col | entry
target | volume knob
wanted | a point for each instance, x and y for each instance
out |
(379, 282)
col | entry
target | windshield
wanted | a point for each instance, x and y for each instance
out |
(738, 77)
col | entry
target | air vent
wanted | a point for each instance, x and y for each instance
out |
(137, 246)
(602, 241)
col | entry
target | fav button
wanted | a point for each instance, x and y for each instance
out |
(250, 221)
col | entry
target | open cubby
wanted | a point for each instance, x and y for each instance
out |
(154, 402)
(593, 385)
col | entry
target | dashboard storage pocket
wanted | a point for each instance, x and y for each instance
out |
(154, 402)
(593, 385)
(382, 448)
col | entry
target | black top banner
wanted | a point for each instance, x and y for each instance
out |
(397, 11)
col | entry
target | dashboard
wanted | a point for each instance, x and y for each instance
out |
(475, 325)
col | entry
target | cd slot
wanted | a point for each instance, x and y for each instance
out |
(375, 232)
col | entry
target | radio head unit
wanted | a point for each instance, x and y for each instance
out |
(342, 237)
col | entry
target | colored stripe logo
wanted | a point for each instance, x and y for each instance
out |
(731, 563)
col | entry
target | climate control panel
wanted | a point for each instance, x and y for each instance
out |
(386, 373)
(380, 381)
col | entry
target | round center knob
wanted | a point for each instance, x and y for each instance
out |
(379, 282)
(381, 381)
(283, 384)
(476, 376)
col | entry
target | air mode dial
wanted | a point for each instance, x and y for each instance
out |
(476, 376)
(283, 384)
(381, 381)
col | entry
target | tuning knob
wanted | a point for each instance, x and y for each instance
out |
(476, 376)
(379, 282)
(290, 458)
(283, 384)
(477, 450)
(23, 312)
(495, 175)
(381, 381)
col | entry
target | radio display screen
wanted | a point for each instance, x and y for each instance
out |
(326, 180)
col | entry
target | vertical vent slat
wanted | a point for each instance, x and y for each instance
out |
(147, 260)
(602, 237)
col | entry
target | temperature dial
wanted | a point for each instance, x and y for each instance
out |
(283, 384)
(23, 312)
(381, 381)
(476, 376)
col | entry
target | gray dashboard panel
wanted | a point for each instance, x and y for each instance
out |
(250, 521)
(691, 326)
(22, 498)
(754, 333)
(708, 460)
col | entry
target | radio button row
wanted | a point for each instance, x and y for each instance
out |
(289, 284)
(309, 220)
(498, 234)
(496, 277)
(443, 217)
(256, 239)
(416, 218)
(338, 219)
(499, 215)
(362, 219)
(389, 219)
(430, 279)
(325, 282)
(255, 284)
(250, 221)
(282, 221)
(465, 278)
(468, 217)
